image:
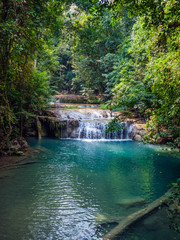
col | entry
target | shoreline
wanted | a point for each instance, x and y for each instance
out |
(12, 161)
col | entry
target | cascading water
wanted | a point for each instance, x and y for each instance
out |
(97, 130)
(90, 123)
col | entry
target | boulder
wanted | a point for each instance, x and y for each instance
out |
(138, 131)
(23, 143)
(163, 140)
(14, 145)
(138, 138)
(18, 146)
(132, 202)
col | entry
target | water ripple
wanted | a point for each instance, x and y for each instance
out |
(77, 184)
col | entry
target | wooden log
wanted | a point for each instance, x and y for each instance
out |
(109, 220)
(132, 218)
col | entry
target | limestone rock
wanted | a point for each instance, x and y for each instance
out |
(69, 98)
(18, 146)
(23, 143)
(132, 202)
(138, 131)
(100, 218)
(138, 138)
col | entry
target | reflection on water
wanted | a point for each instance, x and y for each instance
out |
(74, 184)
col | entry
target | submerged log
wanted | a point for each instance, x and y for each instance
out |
(109, 221)
(132, 218)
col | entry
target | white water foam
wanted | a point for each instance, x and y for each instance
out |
(88, 123)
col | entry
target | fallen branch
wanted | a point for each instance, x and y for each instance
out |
(110, 220)
(132, 218)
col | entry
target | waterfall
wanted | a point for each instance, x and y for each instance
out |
(91, 123)
(97, 130)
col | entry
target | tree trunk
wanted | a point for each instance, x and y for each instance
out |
(129, 220)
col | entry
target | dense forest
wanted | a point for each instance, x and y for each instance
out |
(124, 54)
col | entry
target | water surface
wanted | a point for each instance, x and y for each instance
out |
(75, 184)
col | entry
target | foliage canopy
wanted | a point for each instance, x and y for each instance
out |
(124, 52)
